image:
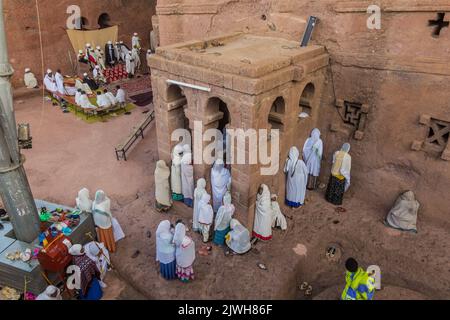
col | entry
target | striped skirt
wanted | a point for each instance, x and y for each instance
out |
(168, 270)
(219, 236)
(335, 191)
(185, 274)
(106, 236)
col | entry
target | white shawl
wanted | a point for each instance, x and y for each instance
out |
(162, 187)
(238, 239)
(84, 203)
(165, 248)
(278, 219)
(225, 214)
(313, 152)
(297, 177)
(206, 215)
(185, 247)
(403, 215)
(187, 176)
(175, 178)
(198, 194)
(220, 177)
(263, 214)
(101, 209)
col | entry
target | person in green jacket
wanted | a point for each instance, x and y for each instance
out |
(359, 284)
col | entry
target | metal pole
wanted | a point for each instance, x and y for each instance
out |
(14, 187)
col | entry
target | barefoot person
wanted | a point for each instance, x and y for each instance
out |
(296, 179)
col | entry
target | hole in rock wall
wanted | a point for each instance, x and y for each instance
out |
(306, 99)
(277, 113)
(104, 20)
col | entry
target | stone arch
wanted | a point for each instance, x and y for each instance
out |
(217, 110)
(177, 105)
(277, 113)
(104, 20)
(307, 99)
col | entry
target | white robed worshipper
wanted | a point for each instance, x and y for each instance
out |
(340, 176)
(165, 251)
(187, 179)
(403, 216)
(136, 57)
(198, 195)
(130, 64)
(30, 79)
(124, 50)
(263, 215)
(98, 253)
(83, 86)
(223, 219)
(220, 178)
(206, 216)
(175, 178)
(117, 50)
(49, 82)
(85, 103)
(108, 228)
(98, 74)
(121, 96)
(185, 254)
(59, 79)
(312, 154)
(52, 293)
(278, 218)
(83, 201)
(296, 179)
(100, 57)
(162, 187)
(102, 100)
(136, 41)
(111, 98)
(77, 97)
(238, 239)
(149, 55)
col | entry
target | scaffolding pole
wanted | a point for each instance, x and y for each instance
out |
(14, 187)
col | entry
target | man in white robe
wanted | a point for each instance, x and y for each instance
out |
(98, 253)
(100, 57)
(149, 55)
(99, 77)
(49, 82)
(136, 41)
(136, 57)
(123, 50)
(297, 179)
(312, 154)
(187, 179)
(85, 103)
(111, 98)
(175, 178)
(198, 195)
(206, 216)
(83, 86)
(263, 215)
(220, 178)
(117, 50)
(121, 96)
(52, 293)
(130, 66)
(102, 100)
(77, 97)
(30, 79)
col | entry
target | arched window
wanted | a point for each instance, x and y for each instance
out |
(104, 20)
(215, 106)
(276, 115)
(307, 99)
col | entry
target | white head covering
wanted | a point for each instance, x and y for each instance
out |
(97, 67)
(313, 152)
(225, 213)
(27, 70)
(109, 42)
(149, 51)
(101, 209)
(187, 158)
(403, 215)
(88, 45)
(84, 203)
(180, 233)
(135, 34)
(51, 293)
(76, 250)
(238, 239)
(186, 148)
(85, 74)
(98, 48)
(346, 147)
(206, 214)
(220, 177)
(165, 249)
(49, 71)
(292, 161)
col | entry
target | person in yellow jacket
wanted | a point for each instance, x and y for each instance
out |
(359, 284)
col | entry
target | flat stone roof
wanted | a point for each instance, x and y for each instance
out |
(240, 54)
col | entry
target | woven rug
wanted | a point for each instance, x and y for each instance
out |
(105, 118)
(116, 73)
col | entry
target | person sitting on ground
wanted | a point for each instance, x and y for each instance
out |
(102, 100)
(85, 103)
(50, 82)
(30, 79)
(121, 97)
(359, 284)
(78, 96)
(99, 76)
(238, 239)
(52, 293)
(100, 255)
(111, 98)
(90, 82)
(403, 216)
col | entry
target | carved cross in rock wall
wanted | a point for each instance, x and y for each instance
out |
(354, 114)
(437, 137)
(439, 24)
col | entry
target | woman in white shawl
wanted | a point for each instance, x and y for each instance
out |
(223, 219)
(162, 187)
(185, 254)
(30, 79)
(175, 178)
(187, 179)
(206, 216)
(220, 178)
(296, 180)
(340, 176)
(238, 239)
(108, 229)
(278, 219)
(165, 251)
(84, 202)
(312, 154)
(100, 255)
(263, 215)
(198, 194)
(403, 216)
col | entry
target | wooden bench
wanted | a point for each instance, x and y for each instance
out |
(138, 132)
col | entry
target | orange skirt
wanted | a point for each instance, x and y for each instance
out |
(106, 236)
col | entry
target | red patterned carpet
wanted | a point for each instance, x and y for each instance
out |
(116, 73)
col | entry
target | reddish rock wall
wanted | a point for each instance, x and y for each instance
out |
(23, 32)
(400, 73)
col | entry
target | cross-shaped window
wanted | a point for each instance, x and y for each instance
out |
(439, 24)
